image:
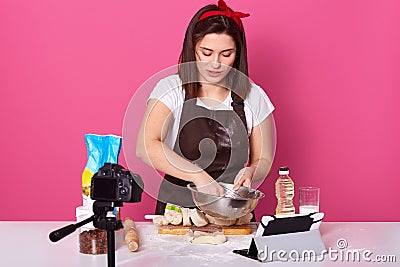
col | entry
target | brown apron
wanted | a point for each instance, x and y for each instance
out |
(215, 140)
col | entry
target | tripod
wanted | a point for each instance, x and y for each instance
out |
(102, 219)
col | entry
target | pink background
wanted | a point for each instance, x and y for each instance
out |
(331, 68)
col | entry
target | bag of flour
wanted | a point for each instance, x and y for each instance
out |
(101, 149)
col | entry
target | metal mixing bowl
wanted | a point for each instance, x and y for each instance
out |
(232, 205)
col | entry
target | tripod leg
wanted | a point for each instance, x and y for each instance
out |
(111, 248)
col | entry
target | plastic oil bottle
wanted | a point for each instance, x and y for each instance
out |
(284, 190)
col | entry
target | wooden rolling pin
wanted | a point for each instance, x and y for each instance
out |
(131, 235)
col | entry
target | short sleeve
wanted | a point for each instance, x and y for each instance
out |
(168, 91)
(259, 104)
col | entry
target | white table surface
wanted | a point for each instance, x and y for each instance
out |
(27, 244)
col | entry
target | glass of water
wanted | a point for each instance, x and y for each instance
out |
(308, 199)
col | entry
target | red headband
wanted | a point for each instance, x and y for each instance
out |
(225, 11)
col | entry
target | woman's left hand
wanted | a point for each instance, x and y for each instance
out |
(243, 178)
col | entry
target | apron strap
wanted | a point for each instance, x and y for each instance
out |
(238, 107)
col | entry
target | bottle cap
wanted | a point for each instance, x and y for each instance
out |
(283, 170)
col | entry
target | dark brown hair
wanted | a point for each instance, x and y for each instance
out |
(236, 81)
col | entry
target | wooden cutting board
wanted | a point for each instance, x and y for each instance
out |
(245, 229)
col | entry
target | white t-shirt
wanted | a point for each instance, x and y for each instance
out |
(169, 91)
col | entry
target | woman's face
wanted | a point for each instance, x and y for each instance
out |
(215, 54)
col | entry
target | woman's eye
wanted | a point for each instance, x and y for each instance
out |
(207, 54)
(227, 55)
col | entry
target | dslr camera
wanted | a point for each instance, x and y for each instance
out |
(113, 183)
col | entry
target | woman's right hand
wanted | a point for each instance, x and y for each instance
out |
(206, 184)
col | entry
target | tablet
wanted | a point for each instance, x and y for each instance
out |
(293, 223)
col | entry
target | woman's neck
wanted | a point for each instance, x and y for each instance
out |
(213, 92)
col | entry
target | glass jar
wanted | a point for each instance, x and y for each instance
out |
(91, 240)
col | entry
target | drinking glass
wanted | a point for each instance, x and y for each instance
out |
(308, 199)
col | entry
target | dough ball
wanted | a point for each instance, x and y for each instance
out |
(198, 218)
(174, 217)
(186, 217)
(215, 238)
(160, 220)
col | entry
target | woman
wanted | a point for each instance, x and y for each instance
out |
(208, 123)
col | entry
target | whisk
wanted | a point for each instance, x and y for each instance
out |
(230, 193)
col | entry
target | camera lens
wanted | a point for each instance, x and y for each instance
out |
(123, 190)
